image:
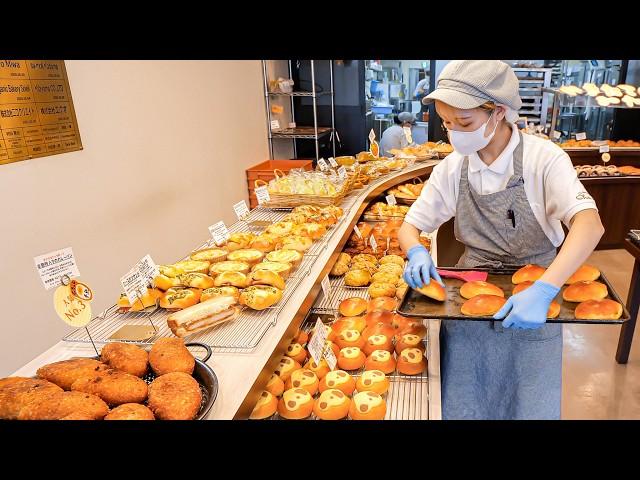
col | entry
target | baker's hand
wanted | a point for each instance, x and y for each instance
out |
(420, 268)
(528, 309)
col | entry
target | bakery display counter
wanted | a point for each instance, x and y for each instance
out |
(248, 349)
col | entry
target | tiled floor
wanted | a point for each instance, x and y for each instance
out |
(594, 385)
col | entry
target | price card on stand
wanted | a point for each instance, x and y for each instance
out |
(332, 162)
(373, 243)
(241, 209)
(53, 266)
(148, 269)
(323, 164)
(357, 230)
(275, 125)
(581, 136)
(407, 134)
(391, 199)
(134, 284)
(326, 287)
(318, 341)
(604, 148)
(372, 136)
(262, 195)
(219, 232)
(557, 134)
(330, 357)
(342, 173)
(292, 124)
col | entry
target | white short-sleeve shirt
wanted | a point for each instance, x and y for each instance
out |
(550, 182)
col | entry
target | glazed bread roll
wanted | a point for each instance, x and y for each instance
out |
(393, 259)
(233, 279)
(228, 266)
(332, 404)
(482, 305)
(378, 342)
(351, 358)
(357, 278)
(286, 367)
(292, 257)
(379, 328)
(296, 242)
(521, 286)
(196, 280)
(367, 406)
(297, 352)
(203, 316)
(247, 255)
(433, 290)
(382, 303)
(280, 228)
(346, 323)
(275, 385)
(295, 404)
(373, 381)
(380, 360)
(170, 271)
(352, 307)
(219, 292)
(148, 299)
(303, 379)
(411, 361)
(365, 257)
(282, 269)
(585, 290)
(266, 406)
(312, 230)
(338, 379)
(599, 310)
(265, 243)
(211, 255)
(238, 240)
(164, 282)
(176, 299)
(414, 328)
(471, 289)
(384, 316)
(192, 266)
(584, 273)
(302, 338)
(266, 277)
(259, 297)
(362, 265)
(381, 289)
(344, 258)
(528, 273)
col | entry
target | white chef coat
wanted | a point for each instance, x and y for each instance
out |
(422, 84)
(550, 182)
(392, 137)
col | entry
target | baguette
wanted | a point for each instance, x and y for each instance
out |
(204, 315)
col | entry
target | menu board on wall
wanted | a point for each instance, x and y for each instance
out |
(37, 117)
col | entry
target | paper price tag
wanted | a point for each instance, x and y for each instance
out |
(219, 233)
(407, 134)
(275, 125)
(357, 230)
(316, 345)
(391, 199)
(332, 162)
(326, 286)
(148, 269)
(323, 165)
(556, 134)
(262, 194)
(604, 148)
(292, 124)
(331, 358)
(55, 265)
(241, 209)
(581, 136)
(342, 173)
(372, 136)
(134, 284)
(373, 243)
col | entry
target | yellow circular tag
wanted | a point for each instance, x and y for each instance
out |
(606, 157)
(71, 309)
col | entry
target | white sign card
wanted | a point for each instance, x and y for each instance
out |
(407, 134)
(241, 209)
(332, 162)
(262, 194)
(357, 230)
(326, 286)
(581, 136)
(133, 284)
(372, 136)
(391, 199)
(342, 173)
(323, 164)
(148, 268)
(373, 243)
(316, 345)
(219, 232)
(53, 266)
(275, 125)
(604, 148)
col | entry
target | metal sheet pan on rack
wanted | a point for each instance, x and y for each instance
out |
(414, 304)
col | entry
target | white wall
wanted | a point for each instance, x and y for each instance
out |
(166, 144)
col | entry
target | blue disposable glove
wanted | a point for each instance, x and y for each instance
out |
(528, 309)
(420, 268)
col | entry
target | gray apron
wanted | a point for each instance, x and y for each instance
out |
(489, 372)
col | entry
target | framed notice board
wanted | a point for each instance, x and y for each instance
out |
(37, 117)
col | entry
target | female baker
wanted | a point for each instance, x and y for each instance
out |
(509, 193)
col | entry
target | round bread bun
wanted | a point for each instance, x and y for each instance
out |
(296, 352)
(248, 255)
(471, 289)
(164, 282)
(357, 278)
(379, 328)
(585, 272)
(281, 268)
(332, 404)
(395, 259)
(320, 370)
(296, 242)
(219, 292)
(528, 273)
(352, 307)
(259, 297)
(367, 406)
(380, 360)
(373, 381)
(346, 323)
(280, 228)
(292, 257)
(482, 305)
(362, 265)
(365, 257)
(264, 242)
(411, 361)
(378, 342)
(350, 338)
(400, 321)
(266, 406)
(229, 266)
(433, 290)
(383, 316)
(275, 385)
(286, 367)
(409, 340)
(295, 404)
(232, 279)
(266, 277)
(554, 310)
(302, 338)
(312, 230)
(351, 358)
(303, 379)
(392, 268)
(585, 290)
(176, 299)
(344, 258)
(521, 286)
(385, 277)
(381, 289)
(339, 269)
(211, 255)
(171, 271)
(599, 310)
(338, 379)
(415, 327)
(196, 280)
(382, 303)
(191, 266)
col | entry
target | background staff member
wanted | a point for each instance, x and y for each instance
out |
(394, 137)
(509, 193)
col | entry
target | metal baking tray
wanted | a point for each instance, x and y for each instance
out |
(414, 304)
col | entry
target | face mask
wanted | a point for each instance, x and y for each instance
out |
(467, 143)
